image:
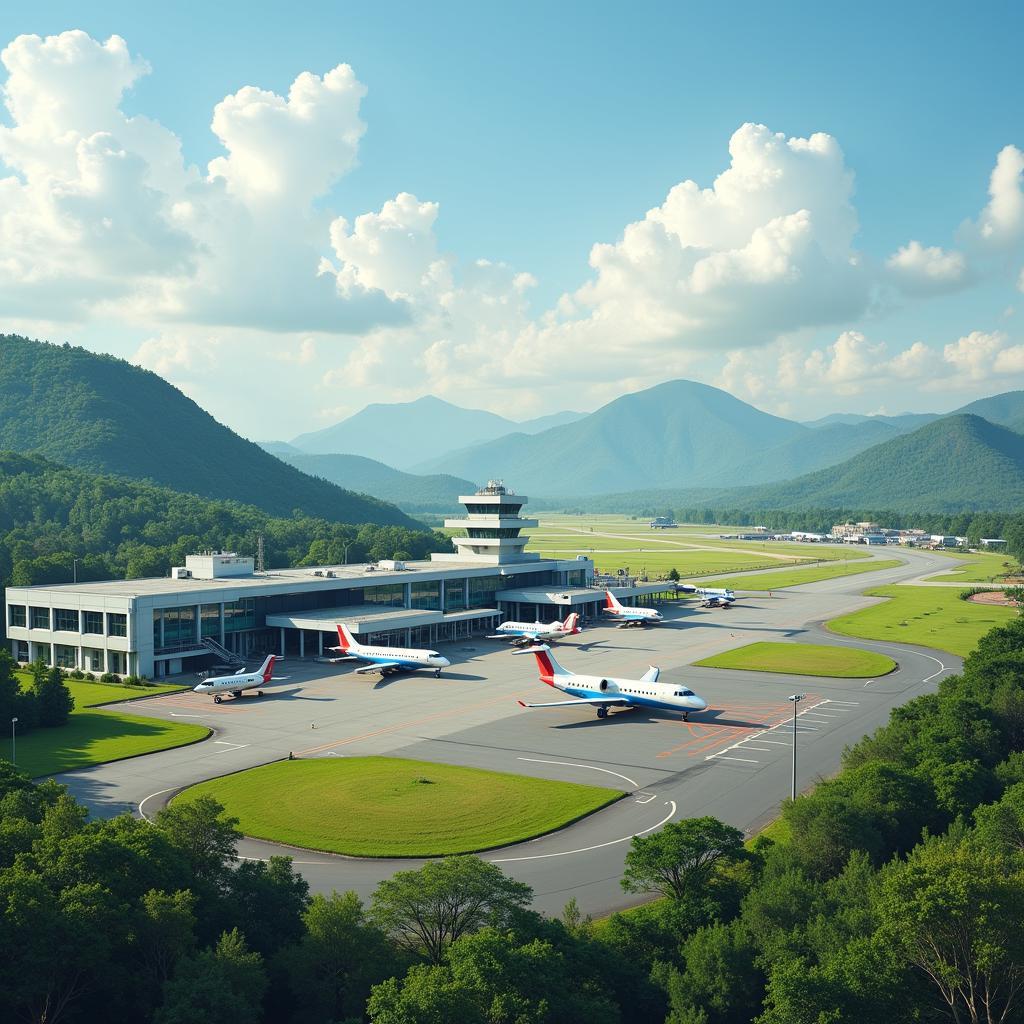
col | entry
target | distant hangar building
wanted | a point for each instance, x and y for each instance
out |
(216, 609)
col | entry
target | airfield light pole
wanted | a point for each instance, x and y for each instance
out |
(794, 699)
(14, 759)
(74, 569)
(347, 546)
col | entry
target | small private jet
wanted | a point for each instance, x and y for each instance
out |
(239, 682)
(713, 597)
(387, 660)
(629, 616)
(524, 634)
(604, 692)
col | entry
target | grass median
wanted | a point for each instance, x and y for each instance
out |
(928, 616)
(980, 567)
(803, 660)
(92, 737)
(391, 807)
(779, 579)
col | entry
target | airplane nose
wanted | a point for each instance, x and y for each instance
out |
(443, 662)
(700, 704)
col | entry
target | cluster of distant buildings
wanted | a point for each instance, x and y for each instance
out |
(868, 533)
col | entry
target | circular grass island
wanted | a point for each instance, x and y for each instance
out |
(803, 660)
(392, 807)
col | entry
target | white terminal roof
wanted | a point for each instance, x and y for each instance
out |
(289, 580)
(369, 618)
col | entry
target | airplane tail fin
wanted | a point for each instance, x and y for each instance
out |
(547, 664)
(651, 675)
(571, 623)
(611, 601)
(346, 641)
(267, 669)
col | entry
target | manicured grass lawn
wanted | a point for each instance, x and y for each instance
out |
(803, 660)
(391, 807)
(930, 616)
(689, 561)
(92, 737)
(88, 694)
(780, 578)
(985, 567)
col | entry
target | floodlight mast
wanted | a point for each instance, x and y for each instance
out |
(794, 699)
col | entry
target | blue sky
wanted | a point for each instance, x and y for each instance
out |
(543, 129)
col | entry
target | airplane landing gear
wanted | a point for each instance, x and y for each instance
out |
(259, 693)
(217, 700)
(602, 712)
(236, 693)
(437, 674)
(686, 716)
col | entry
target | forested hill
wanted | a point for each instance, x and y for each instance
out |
(118, 528)
(105, 415)
(957, 464)
(410, 491)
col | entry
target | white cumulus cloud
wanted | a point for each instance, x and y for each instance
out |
(924, 270)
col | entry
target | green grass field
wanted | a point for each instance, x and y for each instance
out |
(391, 807)
(778, 579)
(929, 616)
(985, 567)
(803, 660)
(92, 737)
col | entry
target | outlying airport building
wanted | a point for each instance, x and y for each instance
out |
(217, 609)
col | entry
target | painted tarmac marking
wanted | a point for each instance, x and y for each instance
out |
(724, 757)
(574, 764)
(587, 849)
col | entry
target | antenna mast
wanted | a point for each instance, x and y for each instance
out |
(260, 566)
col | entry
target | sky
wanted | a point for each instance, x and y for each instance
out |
(290, 211)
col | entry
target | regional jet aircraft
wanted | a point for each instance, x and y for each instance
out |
(240, 681)
(628, 616)
(724, 596)
(526, 633)
(605, 692)
(387, 659)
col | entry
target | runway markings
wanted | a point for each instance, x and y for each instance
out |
(645, 798)
(233, 746)
(574, 764)
(598, 846)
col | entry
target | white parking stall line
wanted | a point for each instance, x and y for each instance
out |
(852, 703)
(231, 746)
(766, 750)
(574, 764)
(723, 757)
(777, 743)
(645, 798)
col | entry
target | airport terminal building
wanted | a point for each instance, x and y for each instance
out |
(217, 610)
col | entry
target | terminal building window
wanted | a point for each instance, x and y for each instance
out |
(92, 622)
(64, 656)
(116, 662)
(488, 534)
(16, 614)
(117, 624)
(491, 510)
(65, 619)
(22, 654)
(390, 594)
(577, 577)
(482, 590)
(92, 660)
(210, 619)
(427, 595)
(239, 615)
(179, 626)
(40, 618)
(454, 596)
(43, 652)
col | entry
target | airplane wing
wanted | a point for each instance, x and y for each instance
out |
(609, 701)
(241, 671)
(377, 666)
(504, 636)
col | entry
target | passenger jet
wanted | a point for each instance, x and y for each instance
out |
(605, 692)
(723, 596)
(387, 660)
(526, 633)
(240, 681)
(628, 616)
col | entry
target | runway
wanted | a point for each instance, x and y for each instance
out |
(732, 761)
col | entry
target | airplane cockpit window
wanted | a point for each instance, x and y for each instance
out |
(686, 693)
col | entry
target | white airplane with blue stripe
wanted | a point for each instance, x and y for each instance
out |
(387, 660)
(604, 692)
(629, 616)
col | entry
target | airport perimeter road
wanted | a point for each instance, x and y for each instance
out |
(732, 761)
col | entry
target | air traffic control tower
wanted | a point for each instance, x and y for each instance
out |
(492, 525)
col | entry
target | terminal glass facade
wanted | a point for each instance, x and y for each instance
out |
(240, 614)
(64, 656)
(92, 622)
(65, 620)
(117, 624)
(179, 626)
(493, 510)
(482, 590)
(454, 596)
(427, 595)
(392, 595)
(40, 618)
(210, 619)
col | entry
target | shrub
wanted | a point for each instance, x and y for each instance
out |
(109, 677)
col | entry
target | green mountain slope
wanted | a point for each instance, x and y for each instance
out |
(410, 492)
(404, 433)
(106, 415)
(679, 433)
(1006, 409)
(958, 463)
